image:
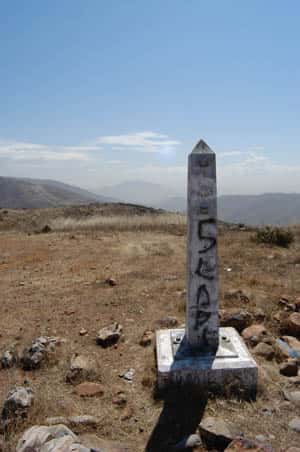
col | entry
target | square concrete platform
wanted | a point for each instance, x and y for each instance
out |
(232, 369)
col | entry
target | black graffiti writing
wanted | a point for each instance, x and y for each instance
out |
(205, 270)
(209, 242)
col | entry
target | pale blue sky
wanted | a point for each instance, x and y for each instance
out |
(96, 92)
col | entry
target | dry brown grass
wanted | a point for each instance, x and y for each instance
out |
(53, 284)
(173, 223)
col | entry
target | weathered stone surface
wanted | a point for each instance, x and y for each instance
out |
(167, 322)
(236, 318)
(8, 359)
(202, 318)
(109, 335)
(82, 368)
(57, 438)
(294, 424)
(254, 334)
(216, 433)
(33, 356)
(147, 338)
(89, 389)
(17, 403)
(244, 444)
(95, 443)
(264, 350)
(60, 438)
(291, 325)
(289, 368)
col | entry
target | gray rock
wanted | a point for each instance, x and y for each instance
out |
(294, 424)
(35, 438)
(33, 356)
(293, 396)
(167, 322)
(216, 433)
(17, 404)
(289, 368)
(264, 350)
(95, 443)
(109, 335)
(235, 318)
(190, 442)
(128, 375)
(8, 359)
(57, 420)
(82, 368)
(83, 420)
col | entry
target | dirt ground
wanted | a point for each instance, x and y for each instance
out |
(53, 284)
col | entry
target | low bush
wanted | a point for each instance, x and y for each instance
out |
(275, 236)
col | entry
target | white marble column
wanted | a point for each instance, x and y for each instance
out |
(202, 320)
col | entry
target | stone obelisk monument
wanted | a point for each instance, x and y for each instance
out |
(202, 319)
(203, 354)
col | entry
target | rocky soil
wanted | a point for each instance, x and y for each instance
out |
(79, 312)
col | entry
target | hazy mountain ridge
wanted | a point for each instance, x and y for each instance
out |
(267, 208)
(36, 193)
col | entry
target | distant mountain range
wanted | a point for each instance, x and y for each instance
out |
(37, 193)
(269, 208)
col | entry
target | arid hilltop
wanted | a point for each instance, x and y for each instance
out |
(67, 274)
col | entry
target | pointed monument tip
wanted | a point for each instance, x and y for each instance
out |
(201, 146)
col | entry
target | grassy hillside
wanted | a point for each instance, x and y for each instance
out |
(30, 193)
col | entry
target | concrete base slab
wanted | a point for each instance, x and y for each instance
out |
(231, 370)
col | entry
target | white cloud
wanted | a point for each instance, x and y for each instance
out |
(22, 151)
(140, 141)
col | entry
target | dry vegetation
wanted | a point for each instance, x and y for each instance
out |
(53, 284)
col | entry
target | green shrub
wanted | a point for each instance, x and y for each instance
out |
(275, 236)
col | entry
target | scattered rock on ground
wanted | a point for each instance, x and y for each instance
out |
(237, 294)
(89, 389)
(167, 322)
(111, 282)
(294, 424)
(293, 449)
(291, 325)
(8, 359)
(216, 433)
(254, 334)
(244, 444)
(264, 350)
(83, 332)
(128, 375)
(33, 356)
(119, 399)
(95, 443)
(188, 443)
(82, 368)
(84, 420)
(54, 438)
(17, 404)
(288, 347)
(293, 396)
(236, 318)
(147, 338)
(109, 335)
(289, 368)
